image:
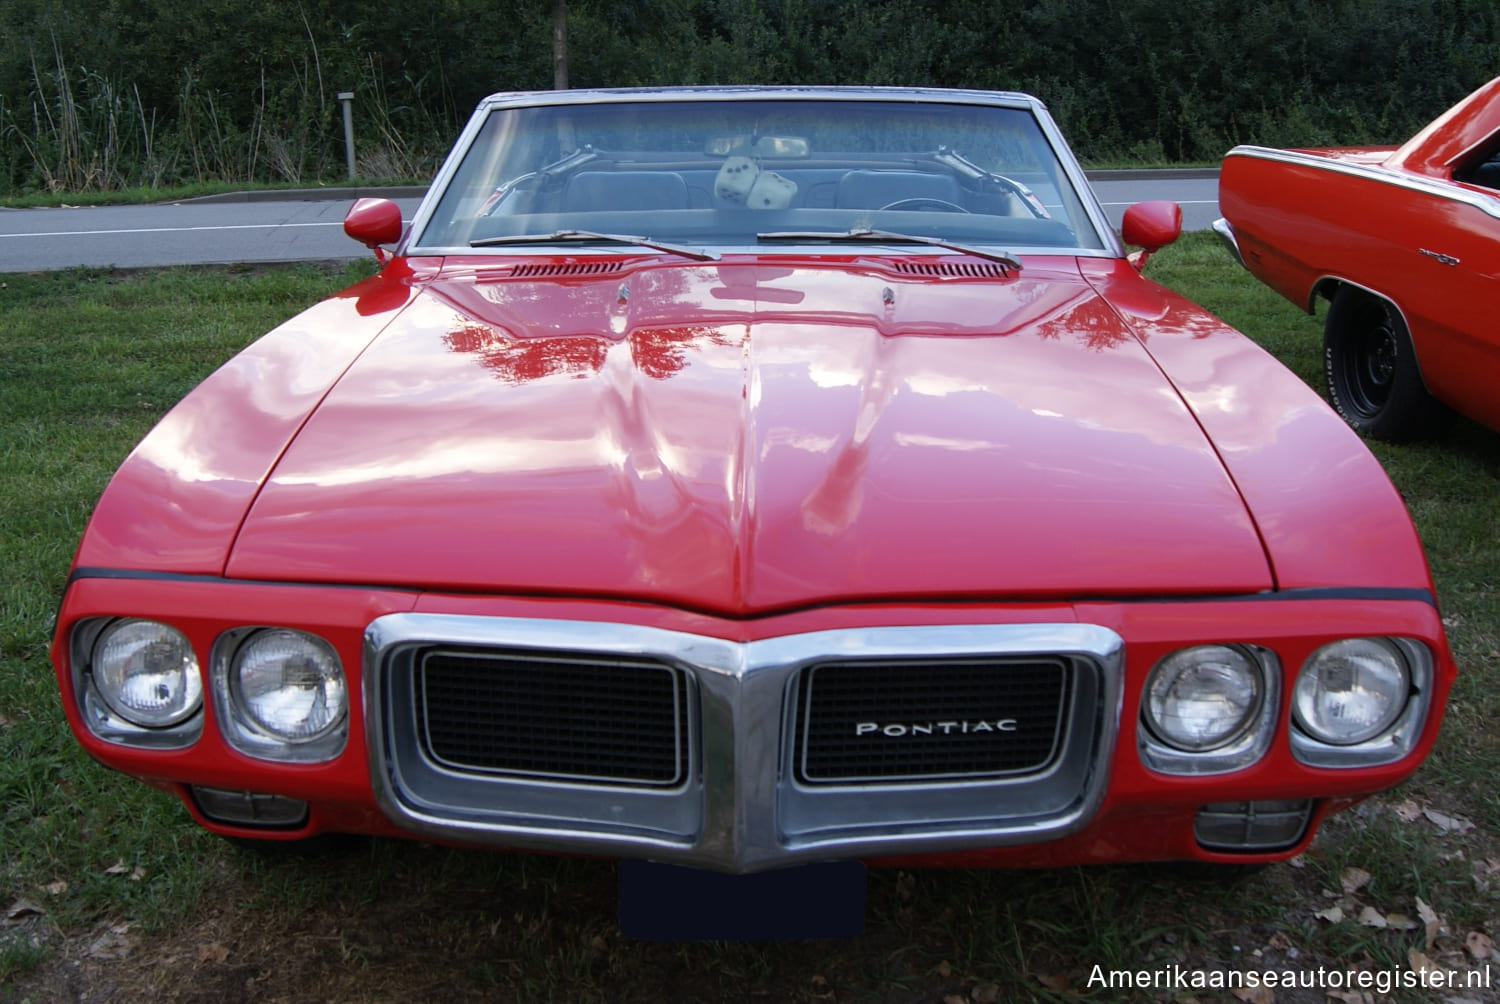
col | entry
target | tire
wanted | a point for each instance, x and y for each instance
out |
(1371, 369)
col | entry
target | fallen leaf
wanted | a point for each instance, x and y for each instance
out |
(55, 888)
(943, 969)
(1255, 995)
(985, 993)
(1480, 946)
(1400, 922)
(1333, 914)
(1371, 917)
(1058, 983)
(1300, 861)
(1447, 823)
(954, 999)
(118, 868)
(1407, 811)
(137, 873)
(1421, 963)
(113, 943)
(1353, 880)
(1432, 921)
(214, 952)
(23, 908)
(1279, 941)
(1348, 996)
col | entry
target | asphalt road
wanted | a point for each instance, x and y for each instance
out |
(307, 226)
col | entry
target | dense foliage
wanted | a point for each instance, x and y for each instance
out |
(125, 93)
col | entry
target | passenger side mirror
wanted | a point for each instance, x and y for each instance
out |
(1151, 226)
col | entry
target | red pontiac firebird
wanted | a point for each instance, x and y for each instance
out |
(1403, 243)
(744, 478)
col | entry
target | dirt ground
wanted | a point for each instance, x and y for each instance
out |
(448, 925)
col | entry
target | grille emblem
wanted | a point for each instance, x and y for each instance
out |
(896, 730)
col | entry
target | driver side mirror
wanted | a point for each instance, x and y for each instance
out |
(374, 222)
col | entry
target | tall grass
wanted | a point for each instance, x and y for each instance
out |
(80, 131)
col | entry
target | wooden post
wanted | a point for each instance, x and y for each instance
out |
(560, 44)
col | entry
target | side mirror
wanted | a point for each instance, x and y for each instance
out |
(1151, 226)
(374, 222)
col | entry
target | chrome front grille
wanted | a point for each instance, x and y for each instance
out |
(929, 719)
(565, 716)
(602, 738)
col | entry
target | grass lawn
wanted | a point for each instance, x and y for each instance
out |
(107, 888)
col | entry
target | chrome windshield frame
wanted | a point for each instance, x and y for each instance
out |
(1071, 170)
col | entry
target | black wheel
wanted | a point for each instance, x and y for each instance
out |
(1372, 371)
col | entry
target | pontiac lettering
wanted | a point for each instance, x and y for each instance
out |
(896, 730)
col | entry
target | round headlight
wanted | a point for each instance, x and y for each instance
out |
(1351, 691)
(147, 673)
(289, 684)
(1202, 698)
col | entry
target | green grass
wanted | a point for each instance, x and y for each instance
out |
(179, 193)
(89, 360)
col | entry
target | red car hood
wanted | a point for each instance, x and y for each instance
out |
(739, 438)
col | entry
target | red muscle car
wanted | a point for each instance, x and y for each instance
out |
(744, 478)
(1404, 243)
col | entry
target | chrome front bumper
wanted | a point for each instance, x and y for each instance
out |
(739, 806)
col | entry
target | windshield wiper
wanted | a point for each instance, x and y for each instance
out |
(697, 254)
(868, 236)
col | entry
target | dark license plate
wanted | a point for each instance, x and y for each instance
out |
(661, 902)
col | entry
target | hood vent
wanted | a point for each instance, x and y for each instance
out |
(566, 268)
(960, 269)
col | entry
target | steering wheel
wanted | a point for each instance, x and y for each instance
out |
(925, 202)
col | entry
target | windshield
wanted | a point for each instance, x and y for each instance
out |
(723, 172)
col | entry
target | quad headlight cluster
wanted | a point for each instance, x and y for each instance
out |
(1355, 702)
(277, 694)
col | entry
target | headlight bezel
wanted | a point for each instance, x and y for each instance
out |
(241, 728)
(1396, 739)
(102, 717)
(1242, 747)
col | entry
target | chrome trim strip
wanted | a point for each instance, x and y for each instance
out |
(1489, 205)
(1225, 230)
(738, 811)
